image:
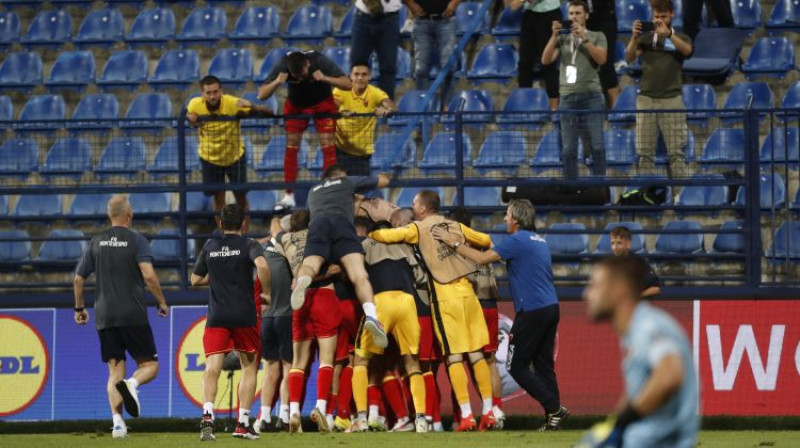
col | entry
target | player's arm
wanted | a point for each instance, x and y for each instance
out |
(263, 274)
(191, 113)
(385, 107)
(453, 240)
(200, 275)
(82, 272)
(475, 238)
(197, 280)
(248, 109)
(154, 286)
(665, 379)
(408, 234)
(278, 76)
(342, 82)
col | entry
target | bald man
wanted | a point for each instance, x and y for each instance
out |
(123, 264)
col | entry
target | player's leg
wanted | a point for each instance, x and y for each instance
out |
(297, 374)
(492, 319)
(398, 315)
(407, 334)
(210, 381)
(345, 396)
(312, 264)
(139, 342)
(418, 388)
(326, 128)
(269, 388)
(294, 137)
(327, 353)
(353, 264)
(283, 414)
(250, 361)
(544, 368)
(116, 372)
(359, 386)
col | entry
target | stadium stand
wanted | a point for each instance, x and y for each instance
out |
(153, 26)
(623, 113)
(166, 160)
(310, 24)
(72, 70)
(680, 243)
(176, 69)
(38, 112)
(19, 157)
(568, 243)
(785, 15)
(148, 110)
(122, 156)
(62, 251)
(502, 150)
(68, 157)
(6, 108)
(725, 148)
(472, 103)
(786, 243)
(507, 25)
(9, 28)
(440, 154)
(101, 28)
(21, 71)
(465, 14)
(525, 106)
(15, 251)
(124, 69)
(38, 205)
(621, 149)
(700, 101)
(49, 29)
(341, 56)
(89, 204)
(383, 155)
(746, 14)
(233, 66)
(772, 191)
(629, 11)
(94, 112)
(772, 56)
(404, 66)
(203, 26)
(776, 149)
(730, 243)
(716, 52)
(495, 62)
(256, 24)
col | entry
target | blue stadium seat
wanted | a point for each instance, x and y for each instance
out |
(746, 14)
(724, 148)
(567, 244)
(791, 100)
(345, 30)
(786, 242)
(166, 160)
(680, 244)
(90, 204)
(403, 66)
(126, 69)
(638, 241)
(156, 108)
(459, 71)
(257, 24)
(737, 98)
(101, 27)
(197, 202)
(68, 157)
(49, 28)
(775, 146)
(730, 243)
(772, 192)
(15, 251)
(310, 24)
(533, 102)
(271, 161)
(629, 11)
(273, 57)
(262, 200)
(502, 150)
(625, 102)
(19, 157)
(21, 71)
(716, 52)
(169, 250)
(385, 143)
(260, 123)
(494, 62)
(203, 26)
(697, 97)
(233, 66)
(151, 202)
(154, 26)
(480, 197)
(36, 205)
(620, 147)
(62, 251)
(9, 28)
(413, 101)
(38, 110)
(72, 70)
(406, 195)
(465, 14)
(703, 195)
(6, 108)
(3, 205)
(785, 14)
(773, 56)
(95, 112)
(440, 154)
(477, 107)
(661, 149)
(123, 156)
(508, 24)
(339, 55)
(176, 68)
(548, 153)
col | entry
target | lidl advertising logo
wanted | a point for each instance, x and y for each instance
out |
(190, 367)
(24, 365)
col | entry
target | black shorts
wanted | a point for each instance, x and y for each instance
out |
(332, 237)
(276, 338)
(353, 165)
(215, 174)
(137, 340)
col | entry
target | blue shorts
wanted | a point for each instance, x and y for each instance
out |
(332, 237)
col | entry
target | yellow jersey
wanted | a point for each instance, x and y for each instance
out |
(356, 135)
(220, 142)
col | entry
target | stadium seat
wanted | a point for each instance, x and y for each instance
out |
(19, 157)
(3, 205)
(406, 195)
(440, 154)
(95, 112)
(40, 111)
(746, 14)
(737, 99)
(159, 203)
(412, 102)
(9, 28)
(724, 148)
(502, 150)
(480, 197)
(6, 108)
(68, 157)
(21, 71)
(345, 30)
(703, 195)
(508, 24)
(49, 28)
(339, 55)
(638, 241)
(90, 204)
(548, 152)
(257, 24)
(730, 243)
(494, 62)
(154, 26)
(476, 106)
(567, 244)
(624, 111)
(683, 243)
(271, 161)
(772, 192)
(661, 149)
(791, 100)
(620, 147)
(310, 24)
(786, 241)
(126, 69)
(385, 144)
(260, 123)
(629, 11)
(525, 106)
(62, 251)
(122, 156)
(101, 27)
(72, 70)
(465, 14)
(404, 66)
(273, 57)
(36, 205)
(169, 250)
(155, 108)
(785, 14)
(176, 68)
(700, 101)
(15, 251)
(716, 52)
(775, 148)
(166, 160)
(262, 200)
(197, 202)
(233, 66)
(203, 26)
(773, 56)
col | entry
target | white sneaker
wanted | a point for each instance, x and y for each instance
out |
(438, 427)
(359, 425)
(285, 204)
(130, 397)
(299, 293)
(119, 431)
(500, 416)
(421, 424)
(329, 417)
(319, 418)
(378, 333)
(403, 425)
(294, 424)
(377, 425)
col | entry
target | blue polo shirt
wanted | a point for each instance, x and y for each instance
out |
(530, 270)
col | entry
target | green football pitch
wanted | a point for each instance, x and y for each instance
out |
(526, 439)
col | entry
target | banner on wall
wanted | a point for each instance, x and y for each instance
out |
(747, 354)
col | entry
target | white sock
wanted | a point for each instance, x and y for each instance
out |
(466, 410)
(133, 383)
(369, 310)
(208, 408)
(266, 413)
(487, 406)
(437, 426)
(244, 416)
(373, 412)
(294, 408)
(284, 414)
(322, 405)
(117, 419)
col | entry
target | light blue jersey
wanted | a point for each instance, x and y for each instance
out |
(652, 335)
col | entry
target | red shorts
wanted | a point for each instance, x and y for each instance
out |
(429, 349)
(351, 318)
(222, 340)
(319, 317)
(323, 124)
(492, 324)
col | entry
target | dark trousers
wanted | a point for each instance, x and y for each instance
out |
(530, 355)
(693, 12)
(353, 165)
(381, 35)
(535, 32)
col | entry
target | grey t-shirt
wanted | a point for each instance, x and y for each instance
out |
(281, 283)
(335, 197)
(587, 79)
(114, 256)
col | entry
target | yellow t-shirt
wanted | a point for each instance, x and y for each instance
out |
(221, 142)
(356, 135)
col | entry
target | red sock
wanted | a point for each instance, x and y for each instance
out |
(497, 401)
(391, 388)
(328, 156)
(290, 165)
(437, 405)
(324, 380)
(430, 393)
(296, 383)
(345, 392)
(331, 404)
(374, 396)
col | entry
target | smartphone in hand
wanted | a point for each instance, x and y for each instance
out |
(648, 26)
(566, 26)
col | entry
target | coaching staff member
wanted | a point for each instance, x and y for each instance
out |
(123, 263)
(533, 334)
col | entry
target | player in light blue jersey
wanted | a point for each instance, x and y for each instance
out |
(660, 402)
